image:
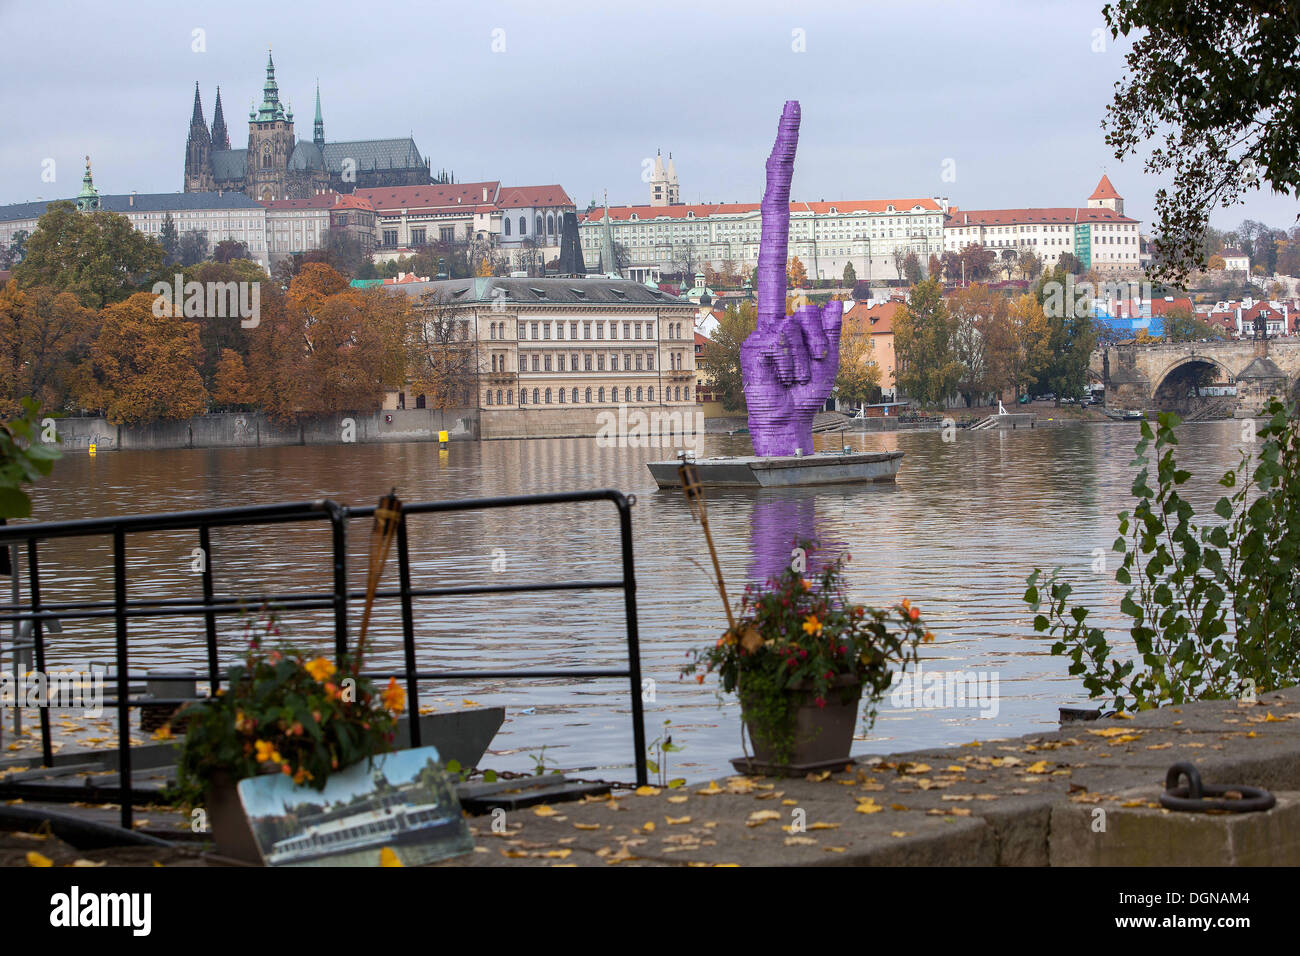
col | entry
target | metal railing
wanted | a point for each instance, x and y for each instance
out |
(123, 610)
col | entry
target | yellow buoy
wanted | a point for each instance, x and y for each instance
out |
(92, 449)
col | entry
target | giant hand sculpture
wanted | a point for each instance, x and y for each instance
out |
(789, 363)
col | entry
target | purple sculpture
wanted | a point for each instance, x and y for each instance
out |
(789, 363)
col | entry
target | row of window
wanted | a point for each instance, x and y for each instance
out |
(632, 362)
(542, 396)
(541, 331)
(550, 225)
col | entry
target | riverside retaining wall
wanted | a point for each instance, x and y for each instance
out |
(255, 430)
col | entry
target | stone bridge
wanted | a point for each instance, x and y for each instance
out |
(1166, 377)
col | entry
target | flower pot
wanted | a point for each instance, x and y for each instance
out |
(811, 734)
(227, 822)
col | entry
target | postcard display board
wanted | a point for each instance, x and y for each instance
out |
(404, 802)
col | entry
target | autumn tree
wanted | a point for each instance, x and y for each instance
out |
(220, 332)
(355, 349)
(442, 355)
(795, 274)
(97, 256)
(43, 336)
(1016, 345)
(912, 268)
(975, 263)
(858, 379)
(231, 386)
(927, 366)
(972, 311)
(720, 356)
(143, 366)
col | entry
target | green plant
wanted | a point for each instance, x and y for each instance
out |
(657, 758)
(796, 632)
(23, 460)
(283, 712)
(1213, 606)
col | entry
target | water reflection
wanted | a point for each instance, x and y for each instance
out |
(965, 524)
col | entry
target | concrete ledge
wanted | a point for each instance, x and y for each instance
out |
(1149, 835)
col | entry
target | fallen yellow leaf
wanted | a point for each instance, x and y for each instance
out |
(545, 810)
(647, 791)
(38, 859)
(388, 857)
(676, 821)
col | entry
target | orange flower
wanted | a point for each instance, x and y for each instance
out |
(394, 696)
(319, 669)
(699, 678)
(811, 625)
(914, 613)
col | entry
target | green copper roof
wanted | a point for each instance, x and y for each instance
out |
(88, 198)
(271, 108)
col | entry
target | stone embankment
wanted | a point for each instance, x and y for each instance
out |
(1085, 795)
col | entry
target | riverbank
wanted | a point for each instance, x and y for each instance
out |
(255, 430)
(1084, 795)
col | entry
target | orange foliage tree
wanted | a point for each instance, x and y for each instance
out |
(143, 367)
(43, 335)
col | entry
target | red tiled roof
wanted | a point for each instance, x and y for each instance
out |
(457, 195)
(513, 197)
(700, 339)
(1231, 253)
(1105, 190)
(699, 211)
(321, 201)
(1016, 217)
(877, 319)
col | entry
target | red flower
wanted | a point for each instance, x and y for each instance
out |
(821, 702)
(803, 654)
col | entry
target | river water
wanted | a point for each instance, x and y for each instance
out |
(965, 524)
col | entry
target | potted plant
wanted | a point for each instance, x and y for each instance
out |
(801, 657)
(281, 712)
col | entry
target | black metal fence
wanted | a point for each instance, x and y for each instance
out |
(209, 605)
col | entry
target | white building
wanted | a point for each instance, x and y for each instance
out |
(1099, 235)
(220, 215)
(825, 236)
(301, 225)
(510, 218)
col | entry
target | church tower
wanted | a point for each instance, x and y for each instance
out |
(659, 182)
(318, 128)
(220, 137)
(198, 152)
(88, 199)
(1105, 197)
(674, 190)
(270, 143)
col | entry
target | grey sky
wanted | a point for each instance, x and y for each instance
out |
(1011, 91)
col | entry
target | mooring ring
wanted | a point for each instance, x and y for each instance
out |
(1192, 798)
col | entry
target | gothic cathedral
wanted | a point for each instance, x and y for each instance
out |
(276, 165)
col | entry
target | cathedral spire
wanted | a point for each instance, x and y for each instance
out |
(271, 108)
(318, 130)
(220, 136)
(196, 118)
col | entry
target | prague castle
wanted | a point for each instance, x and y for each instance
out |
(276, 165)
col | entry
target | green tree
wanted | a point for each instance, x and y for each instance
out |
(850, 275)
(928, 368)
(720, 356)
(1069, 263)
(194, 247)
(97, 256)
(170, 239)
(1215, 83)
(1183, 325)
(912, 268)
(23, 460)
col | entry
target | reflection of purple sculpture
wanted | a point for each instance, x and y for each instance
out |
(789, 363)
(778, 524)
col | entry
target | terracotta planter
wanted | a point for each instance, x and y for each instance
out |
(227, 822)
(815, 735)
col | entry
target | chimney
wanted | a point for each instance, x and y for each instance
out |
(131, 201)
(485, 194)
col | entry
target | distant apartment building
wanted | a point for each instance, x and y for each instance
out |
(550, 354)
(1238, 319)
(876, 319)
(1099, 235)
(296, 226)
(519, 221)
(872, 234)
(219, 215)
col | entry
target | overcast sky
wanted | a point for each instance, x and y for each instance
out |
(1010, 91)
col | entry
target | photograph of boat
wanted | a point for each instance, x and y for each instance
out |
(402, 801)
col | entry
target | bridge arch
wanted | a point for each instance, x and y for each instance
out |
(1171, 389)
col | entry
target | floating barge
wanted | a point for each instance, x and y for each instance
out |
(784, 471)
